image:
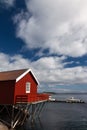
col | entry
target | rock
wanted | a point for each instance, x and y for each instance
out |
(3, 127)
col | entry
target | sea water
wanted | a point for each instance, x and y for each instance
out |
(61, 116)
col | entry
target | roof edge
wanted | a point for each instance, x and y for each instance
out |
(22, 75)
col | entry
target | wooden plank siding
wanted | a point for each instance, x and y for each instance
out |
(7, 92)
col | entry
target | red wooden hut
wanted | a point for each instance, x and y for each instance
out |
(19, 86)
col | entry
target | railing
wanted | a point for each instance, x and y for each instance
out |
(31, 98)
(38, 97)
(21, 98)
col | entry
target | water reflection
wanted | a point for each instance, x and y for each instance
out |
(34, 125)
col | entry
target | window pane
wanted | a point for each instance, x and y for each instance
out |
(27, 87)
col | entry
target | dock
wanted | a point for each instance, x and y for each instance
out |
(68, 100)
(17, 114)
(65, 101)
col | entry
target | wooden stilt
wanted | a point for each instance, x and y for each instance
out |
(12, 120)
(40, 108)
(17, 114)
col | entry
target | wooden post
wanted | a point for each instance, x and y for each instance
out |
(12, 119)
(18, 113)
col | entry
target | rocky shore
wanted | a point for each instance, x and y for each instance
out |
(3, 127)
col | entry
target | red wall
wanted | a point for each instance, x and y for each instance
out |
(12, 92)
(20, 88)
(7, 92)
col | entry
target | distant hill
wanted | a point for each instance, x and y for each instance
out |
(65, 93)
(50, 92)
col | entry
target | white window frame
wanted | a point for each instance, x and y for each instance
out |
(28, 84)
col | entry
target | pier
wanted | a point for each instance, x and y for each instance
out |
(65, 101)
(14, 115)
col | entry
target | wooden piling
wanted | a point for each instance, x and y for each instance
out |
(17, 114)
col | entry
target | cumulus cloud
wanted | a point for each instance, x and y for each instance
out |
(12, 62)
(50, 71)
(7, 3)
(57, 25)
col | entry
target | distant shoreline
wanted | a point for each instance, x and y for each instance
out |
(78, 93)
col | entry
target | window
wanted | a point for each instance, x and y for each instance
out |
(27, 87)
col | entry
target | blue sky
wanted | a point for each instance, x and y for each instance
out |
(50, 37)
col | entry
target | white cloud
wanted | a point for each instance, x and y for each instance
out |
(7, 3)
(59, 25)
(49, 71)
(12, 62)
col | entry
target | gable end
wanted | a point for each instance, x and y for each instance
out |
(27, 71)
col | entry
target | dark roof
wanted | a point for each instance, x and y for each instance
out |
(11, 75)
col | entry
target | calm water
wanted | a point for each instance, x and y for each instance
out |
(61, 116)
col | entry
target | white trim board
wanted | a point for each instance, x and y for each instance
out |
(22, 75)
